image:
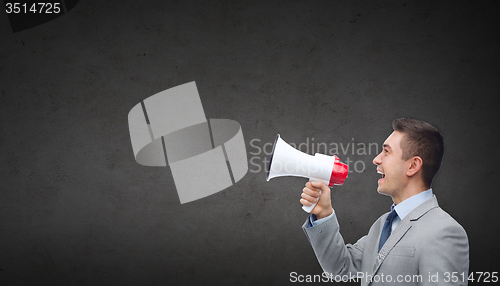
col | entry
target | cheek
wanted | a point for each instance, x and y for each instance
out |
(398, 171)
(395, 170)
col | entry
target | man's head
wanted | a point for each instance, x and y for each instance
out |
(412, 154)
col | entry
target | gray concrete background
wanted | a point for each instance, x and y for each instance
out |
(76, 209)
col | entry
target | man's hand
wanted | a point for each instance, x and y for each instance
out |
(310, 195)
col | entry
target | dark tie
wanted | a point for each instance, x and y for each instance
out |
(386, 231)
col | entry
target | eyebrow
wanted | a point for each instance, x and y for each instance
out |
(387, 146)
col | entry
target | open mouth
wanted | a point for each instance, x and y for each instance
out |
(380, 172)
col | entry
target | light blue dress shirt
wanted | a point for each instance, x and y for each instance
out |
(402, 209)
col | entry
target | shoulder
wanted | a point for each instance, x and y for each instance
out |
(437, 222)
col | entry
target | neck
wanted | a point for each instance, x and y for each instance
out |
(409, 191)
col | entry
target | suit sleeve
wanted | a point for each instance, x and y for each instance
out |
(333, 255)
(446, 254)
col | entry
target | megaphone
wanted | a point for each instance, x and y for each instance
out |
(288, 161)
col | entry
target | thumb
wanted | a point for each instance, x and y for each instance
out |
(325, 190)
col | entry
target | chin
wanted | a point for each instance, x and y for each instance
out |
(382, 191)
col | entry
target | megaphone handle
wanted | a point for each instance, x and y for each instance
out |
(308, 209)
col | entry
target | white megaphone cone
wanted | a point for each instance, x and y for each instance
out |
(288, 161)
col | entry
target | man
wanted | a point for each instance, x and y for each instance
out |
(417, 243)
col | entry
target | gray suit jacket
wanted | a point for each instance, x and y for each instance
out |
(428, 241)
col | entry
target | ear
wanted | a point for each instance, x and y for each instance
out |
(415, 165)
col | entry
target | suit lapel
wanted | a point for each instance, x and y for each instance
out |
(402, 229)
(398, 233)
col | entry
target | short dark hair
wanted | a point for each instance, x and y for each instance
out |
(423, 140)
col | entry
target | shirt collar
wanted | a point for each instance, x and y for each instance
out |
(406, 206)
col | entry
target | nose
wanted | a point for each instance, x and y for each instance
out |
(377, 160)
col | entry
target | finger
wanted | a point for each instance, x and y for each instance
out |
(309, 198)
(312, 193)
(320, 185)
(305, 203)
(309, 185)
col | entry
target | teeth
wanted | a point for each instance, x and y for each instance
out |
(379, 172)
